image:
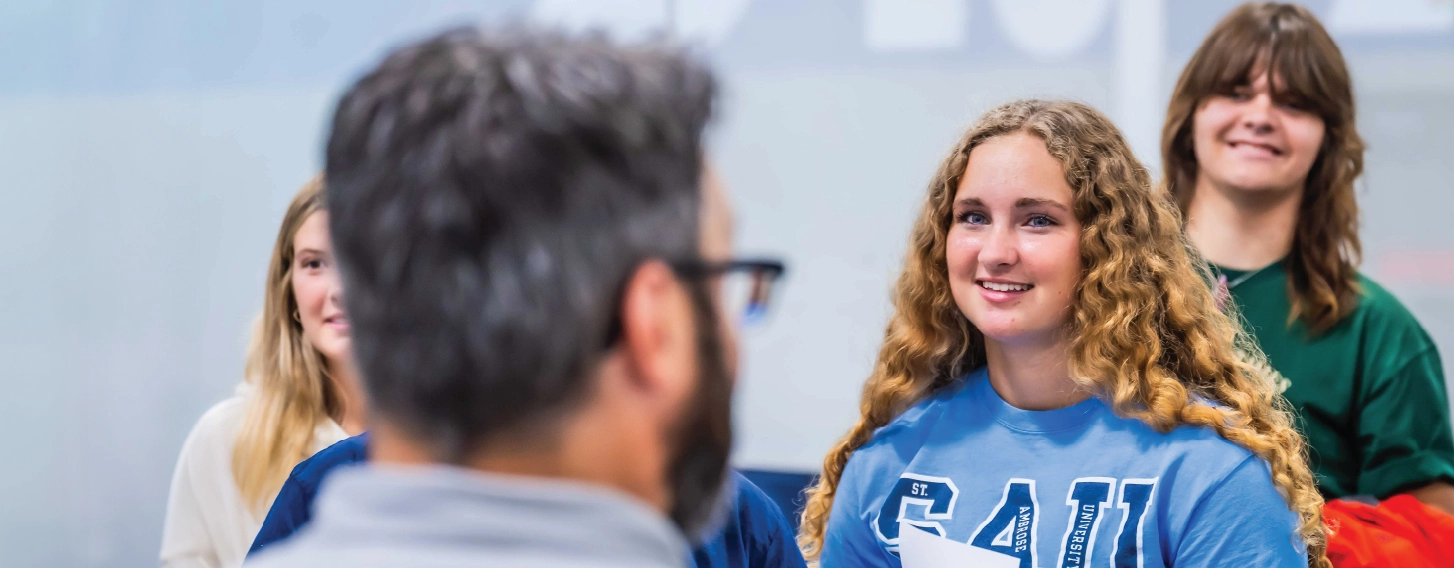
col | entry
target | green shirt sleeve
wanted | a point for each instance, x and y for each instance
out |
(1403, 428)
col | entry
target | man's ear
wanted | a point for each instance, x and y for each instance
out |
(658, 334)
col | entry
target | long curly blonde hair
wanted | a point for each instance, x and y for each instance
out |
(1147, 336)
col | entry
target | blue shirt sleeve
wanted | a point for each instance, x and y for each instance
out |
(1242, 521)
(849, 541)
(293, 507)
(757, 535)
(290, 511)
(768, 536)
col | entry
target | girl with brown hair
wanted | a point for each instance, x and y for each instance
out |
(1261, 149)
(300, 395)
(1057, 383)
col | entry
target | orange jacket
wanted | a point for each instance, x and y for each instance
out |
(1400, 532)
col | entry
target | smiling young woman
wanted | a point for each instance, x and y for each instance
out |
(1261, 149)
(1057, 384)
(300, 386)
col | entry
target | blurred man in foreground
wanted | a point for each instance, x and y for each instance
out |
(535, 258)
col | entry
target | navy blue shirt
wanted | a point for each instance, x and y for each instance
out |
(757, 535)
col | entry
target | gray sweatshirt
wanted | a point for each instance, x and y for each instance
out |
(376, 516)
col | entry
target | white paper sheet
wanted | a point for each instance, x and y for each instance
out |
(919, 549)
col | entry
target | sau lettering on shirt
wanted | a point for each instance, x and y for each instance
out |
(1077, 486)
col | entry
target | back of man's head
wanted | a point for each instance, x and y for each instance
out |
(489, 195)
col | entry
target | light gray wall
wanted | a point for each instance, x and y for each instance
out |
(148, 149)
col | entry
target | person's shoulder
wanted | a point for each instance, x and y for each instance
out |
(755, 511)
(1379, 306)
(1193, 463)
(1387, 328)
(755, 506)
(1204, 444)
(1201, 461)
(220, 423)
(763, 528)
(348, 450)
(893, 445)
(1193, 446)
(292, 508)
(1203, 505)
(922, 415)
(749, 494)
(343, 452)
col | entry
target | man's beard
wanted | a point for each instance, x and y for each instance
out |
(701, 498)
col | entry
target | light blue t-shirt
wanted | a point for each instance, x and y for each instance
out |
(1076, 486)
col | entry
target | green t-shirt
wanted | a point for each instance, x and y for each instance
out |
(1369, 392)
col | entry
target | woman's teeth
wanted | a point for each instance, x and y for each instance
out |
(1005, 287)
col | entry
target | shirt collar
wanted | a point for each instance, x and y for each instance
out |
(456, 506)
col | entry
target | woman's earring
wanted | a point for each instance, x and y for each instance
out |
(296, 318)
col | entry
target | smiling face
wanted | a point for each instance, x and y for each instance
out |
(1013, 248)
(1251, 141)
(317, 289)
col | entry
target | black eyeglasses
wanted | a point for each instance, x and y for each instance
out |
(746, 287)
(746, 283)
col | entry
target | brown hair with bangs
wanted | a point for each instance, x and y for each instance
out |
(1286, 41)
